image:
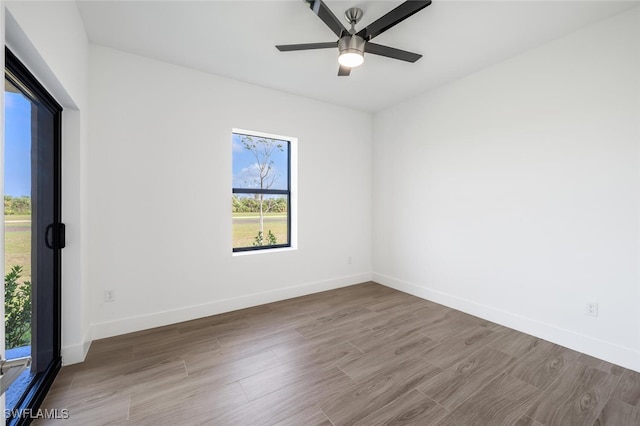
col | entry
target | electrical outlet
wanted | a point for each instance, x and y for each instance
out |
(349, 260)
(109, 296)
(591, 309)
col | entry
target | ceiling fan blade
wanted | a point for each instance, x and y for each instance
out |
(324, 13)
(344, 71)
(392, 18)
(391, 52)
(306, 46)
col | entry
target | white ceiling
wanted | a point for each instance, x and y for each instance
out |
(236, 39)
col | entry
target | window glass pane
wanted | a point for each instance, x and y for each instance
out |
(260, 163)
(251, 229)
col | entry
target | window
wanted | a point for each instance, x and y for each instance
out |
(261, 201)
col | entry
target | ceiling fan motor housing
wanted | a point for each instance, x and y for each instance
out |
(351, 44)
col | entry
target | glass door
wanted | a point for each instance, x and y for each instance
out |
(34, 236)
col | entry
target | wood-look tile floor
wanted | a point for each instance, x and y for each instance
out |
(359, 355)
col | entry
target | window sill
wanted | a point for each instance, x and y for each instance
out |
(265, 251)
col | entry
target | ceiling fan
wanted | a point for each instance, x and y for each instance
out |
(351, 44)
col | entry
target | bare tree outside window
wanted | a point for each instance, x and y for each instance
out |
(262, 174)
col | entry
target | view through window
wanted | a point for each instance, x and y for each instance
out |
(17, 232)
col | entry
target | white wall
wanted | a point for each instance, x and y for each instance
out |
(160, 173)
(513, 194)
(50, 40)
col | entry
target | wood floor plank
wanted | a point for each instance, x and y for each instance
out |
(393, 317)
(543, 364)
(396, 300)
(110, 405)
(229, 367)
(340, 334)
(308, 349)
(515, 343)
(628, 390)
(401, 316)
(526, 421)
(389, 384)
(575, 398)
(297, 372)
(605, 366)
(285, 403)
(361, 295)
(618, 413)
(214, 326)
(107, 356)
(188, 400)
(369, 364)
(278, 320)
(254, 339)
(330, 320)
(457, 384)
(193, 342)
(376, 338)
(289, 316)
(241, 331)
(502, 402)
(413, 408)
(126, 374)
(452, 350)
(310, 416)
(138, 337)
(449, 324)
(300, 348)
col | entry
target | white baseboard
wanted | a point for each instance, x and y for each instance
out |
(74, 354)
(601, 349)
(128, 325)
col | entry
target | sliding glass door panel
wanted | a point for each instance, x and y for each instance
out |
(33, 207)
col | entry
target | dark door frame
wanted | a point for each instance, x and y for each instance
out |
(42, 381)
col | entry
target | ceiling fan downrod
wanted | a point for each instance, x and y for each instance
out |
(353, 15)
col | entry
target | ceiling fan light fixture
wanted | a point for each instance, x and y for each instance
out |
(351, 48)
(350, 59)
